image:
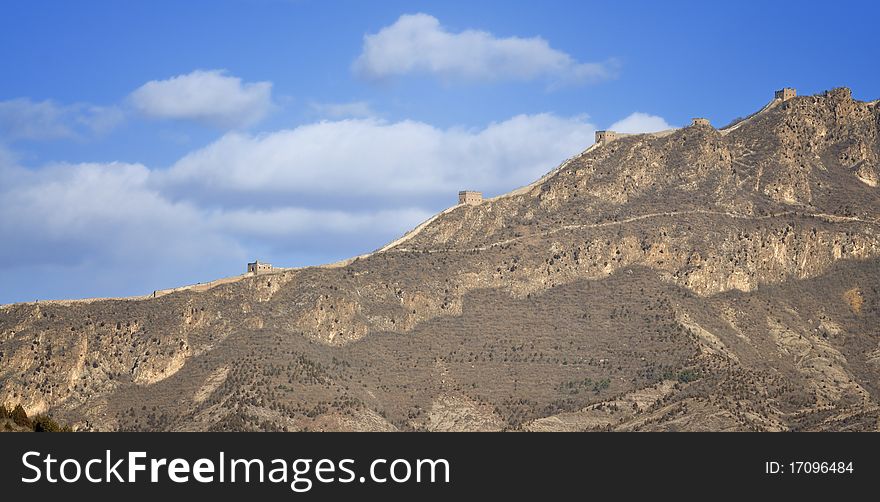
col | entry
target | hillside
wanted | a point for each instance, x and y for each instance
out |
(700, 279)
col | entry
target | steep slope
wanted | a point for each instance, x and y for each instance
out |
(699, 279)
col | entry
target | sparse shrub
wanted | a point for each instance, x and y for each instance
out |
(42, 423)
(20, 417)
(689, 375)
(575, 386)
(4, 413)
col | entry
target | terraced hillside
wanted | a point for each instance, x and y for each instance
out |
(699, 279)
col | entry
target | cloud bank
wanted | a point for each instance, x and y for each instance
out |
(370, 158)
(319, 192)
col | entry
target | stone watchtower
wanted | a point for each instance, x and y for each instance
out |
(700, 121)
(785, 93)
(605, 136)
(469, 197)
(257, 267)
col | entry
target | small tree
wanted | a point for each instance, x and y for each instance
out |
(42, 423)
(19, 416)
(4, 413)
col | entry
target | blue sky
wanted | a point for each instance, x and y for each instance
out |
(146, 145)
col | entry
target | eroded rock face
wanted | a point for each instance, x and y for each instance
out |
(653, 282)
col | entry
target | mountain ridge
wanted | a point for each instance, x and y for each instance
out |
(411, 233)
(620, 290)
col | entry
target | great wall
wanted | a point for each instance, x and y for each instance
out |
(465, 198)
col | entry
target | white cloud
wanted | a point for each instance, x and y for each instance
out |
(354, 109)
(25, 119)
(418, 44)
(100, 230)
(104, 212)
(375, 159)
(210, 97)
(640, 122)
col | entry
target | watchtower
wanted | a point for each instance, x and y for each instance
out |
(257, 267)
(469, 197)
(700, 121)
(605, 136)
(785, 93)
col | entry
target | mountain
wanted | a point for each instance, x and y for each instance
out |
(695, 279)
